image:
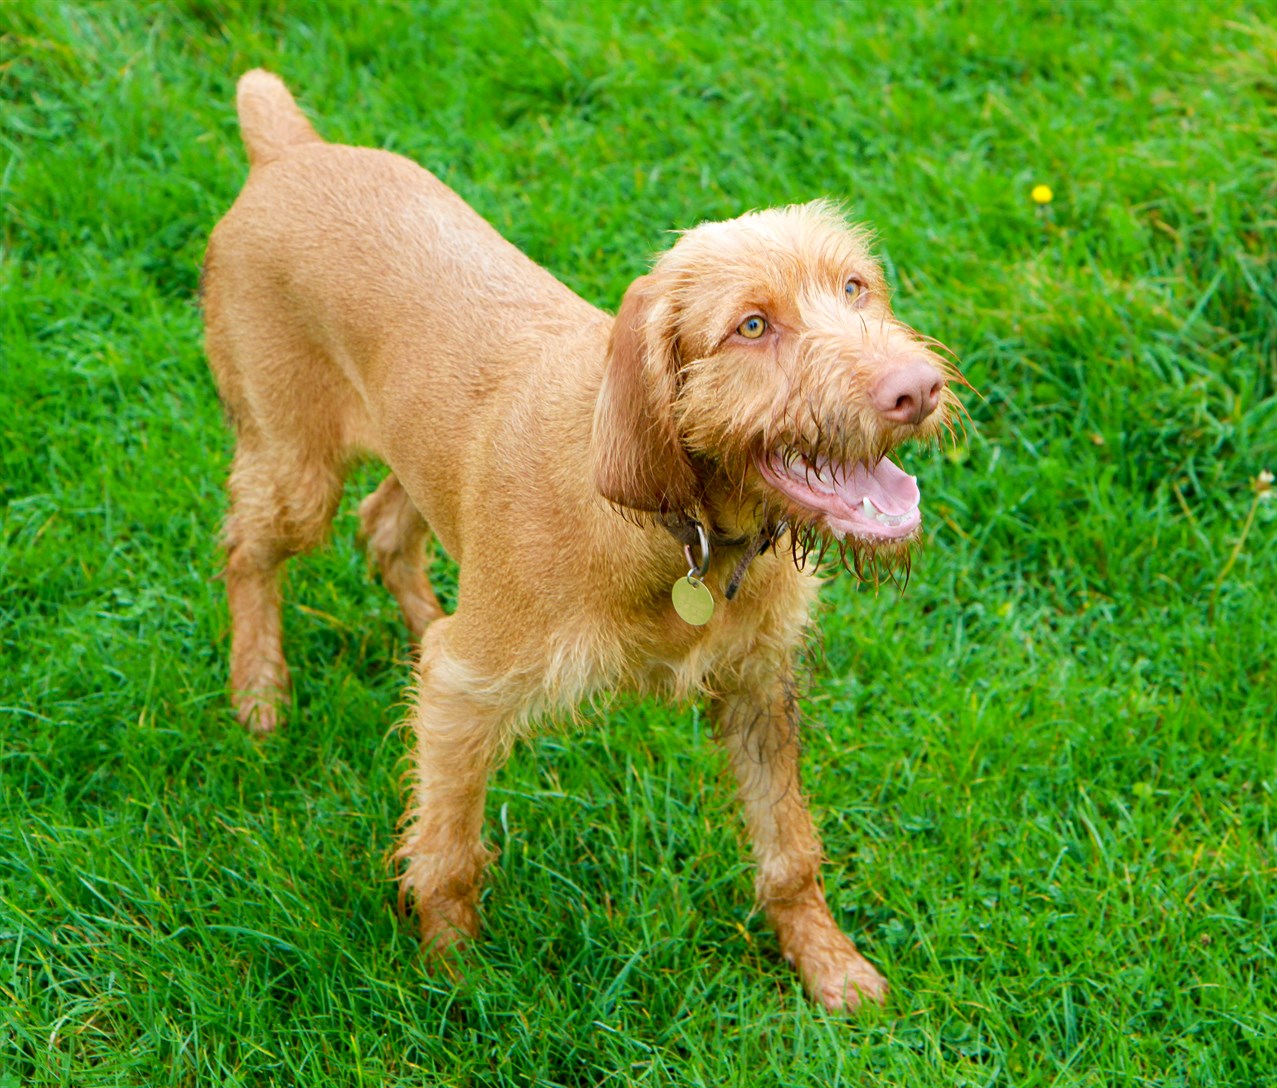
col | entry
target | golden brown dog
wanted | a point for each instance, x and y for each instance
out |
(738, 411)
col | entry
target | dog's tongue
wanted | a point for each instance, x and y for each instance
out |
(891, 489)
(872, 503)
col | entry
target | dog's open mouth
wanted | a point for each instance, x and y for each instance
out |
(877, 503)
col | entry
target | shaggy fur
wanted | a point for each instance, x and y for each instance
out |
(355, 305)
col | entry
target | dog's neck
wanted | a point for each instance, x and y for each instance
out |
(701, 538)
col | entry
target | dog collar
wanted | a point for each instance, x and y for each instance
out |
(692, 534)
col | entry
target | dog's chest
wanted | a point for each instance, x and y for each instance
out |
(682, 659)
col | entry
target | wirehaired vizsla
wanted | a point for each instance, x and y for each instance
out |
(629, 501)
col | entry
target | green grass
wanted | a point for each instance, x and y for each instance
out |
(1045, 774)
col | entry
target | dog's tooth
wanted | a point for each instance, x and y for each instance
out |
(867, 508)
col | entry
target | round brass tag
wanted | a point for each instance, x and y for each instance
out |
(692, 600)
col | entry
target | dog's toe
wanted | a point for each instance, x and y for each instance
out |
(838, 976)
(259, 714)
(852, 986)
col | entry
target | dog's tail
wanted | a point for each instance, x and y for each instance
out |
(269, 119)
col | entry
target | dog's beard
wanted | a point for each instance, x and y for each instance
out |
(813, 547)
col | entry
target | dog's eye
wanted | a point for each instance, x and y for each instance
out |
(752, 327)
(854, 289)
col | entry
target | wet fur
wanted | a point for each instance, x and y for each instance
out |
(354, 305)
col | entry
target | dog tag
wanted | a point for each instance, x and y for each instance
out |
(692, 600)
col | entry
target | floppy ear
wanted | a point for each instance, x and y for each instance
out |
(639, 461)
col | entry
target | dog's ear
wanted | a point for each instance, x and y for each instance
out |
(639, 461)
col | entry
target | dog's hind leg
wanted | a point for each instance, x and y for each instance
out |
(759, 729)
(396, 536)
(282, 502)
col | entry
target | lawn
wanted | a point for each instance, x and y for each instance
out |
(1045, 772)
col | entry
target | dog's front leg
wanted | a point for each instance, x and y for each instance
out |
(459, 730)
(758, 726)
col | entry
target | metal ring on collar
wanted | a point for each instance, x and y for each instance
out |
(694, 569)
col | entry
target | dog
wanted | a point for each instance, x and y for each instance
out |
(631, 502)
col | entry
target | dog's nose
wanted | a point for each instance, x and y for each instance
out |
(908, 393)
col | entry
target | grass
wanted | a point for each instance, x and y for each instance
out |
(1045, 773)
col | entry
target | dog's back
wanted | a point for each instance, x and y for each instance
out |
(353, 302)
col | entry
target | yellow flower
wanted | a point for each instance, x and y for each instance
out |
(1042, 194)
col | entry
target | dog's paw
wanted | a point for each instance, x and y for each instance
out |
(444, 947)
(847, 984)
(835, 974)
(445, 954)
(259, 714)
(259, 693)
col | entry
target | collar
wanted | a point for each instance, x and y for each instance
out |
(692, 534)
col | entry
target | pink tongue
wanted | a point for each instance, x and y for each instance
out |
(888, 487)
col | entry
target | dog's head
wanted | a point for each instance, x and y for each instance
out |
(760, 362)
